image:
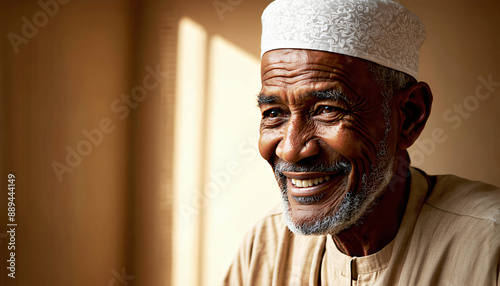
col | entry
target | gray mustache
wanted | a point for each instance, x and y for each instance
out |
(339, 167)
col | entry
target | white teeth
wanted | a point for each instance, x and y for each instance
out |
(309, 182)
(298, 183)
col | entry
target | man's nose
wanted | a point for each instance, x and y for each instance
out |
(297, 143)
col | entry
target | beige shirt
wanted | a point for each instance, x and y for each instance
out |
(449, 235)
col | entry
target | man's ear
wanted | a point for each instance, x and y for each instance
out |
(414, 108)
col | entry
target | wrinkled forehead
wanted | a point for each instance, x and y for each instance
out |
(298, 65)
(293, 60)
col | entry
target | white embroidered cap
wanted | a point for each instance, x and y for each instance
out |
(380, 31)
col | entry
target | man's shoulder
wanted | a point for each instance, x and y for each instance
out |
(456, 235)
(463, 197)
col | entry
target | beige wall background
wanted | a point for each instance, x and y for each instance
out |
(167, 194)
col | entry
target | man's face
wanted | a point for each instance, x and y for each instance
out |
(326, 132)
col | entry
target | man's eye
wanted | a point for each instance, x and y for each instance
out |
(272, 113)
(327, 109)
(329, 113)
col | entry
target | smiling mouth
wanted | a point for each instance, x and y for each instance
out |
(312, 185)
(309, 182)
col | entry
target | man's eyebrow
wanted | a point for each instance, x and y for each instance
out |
(335, 95)
(266, 99)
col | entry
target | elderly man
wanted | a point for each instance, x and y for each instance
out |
(340, 105)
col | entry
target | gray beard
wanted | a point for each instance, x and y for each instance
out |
(350, 210)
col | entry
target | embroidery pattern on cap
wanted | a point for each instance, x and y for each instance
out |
(381, 31)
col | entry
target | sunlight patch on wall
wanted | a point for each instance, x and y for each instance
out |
(240, 183)
(190, 104)
(219, 174)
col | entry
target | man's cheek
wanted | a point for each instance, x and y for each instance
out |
(354, 141)
(344, 142)
(268, 142)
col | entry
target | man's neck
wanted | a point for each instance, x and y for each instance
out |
(380, 225)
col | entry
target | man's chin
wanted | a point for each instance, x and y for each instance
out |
(332, 217)
(312, 223)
